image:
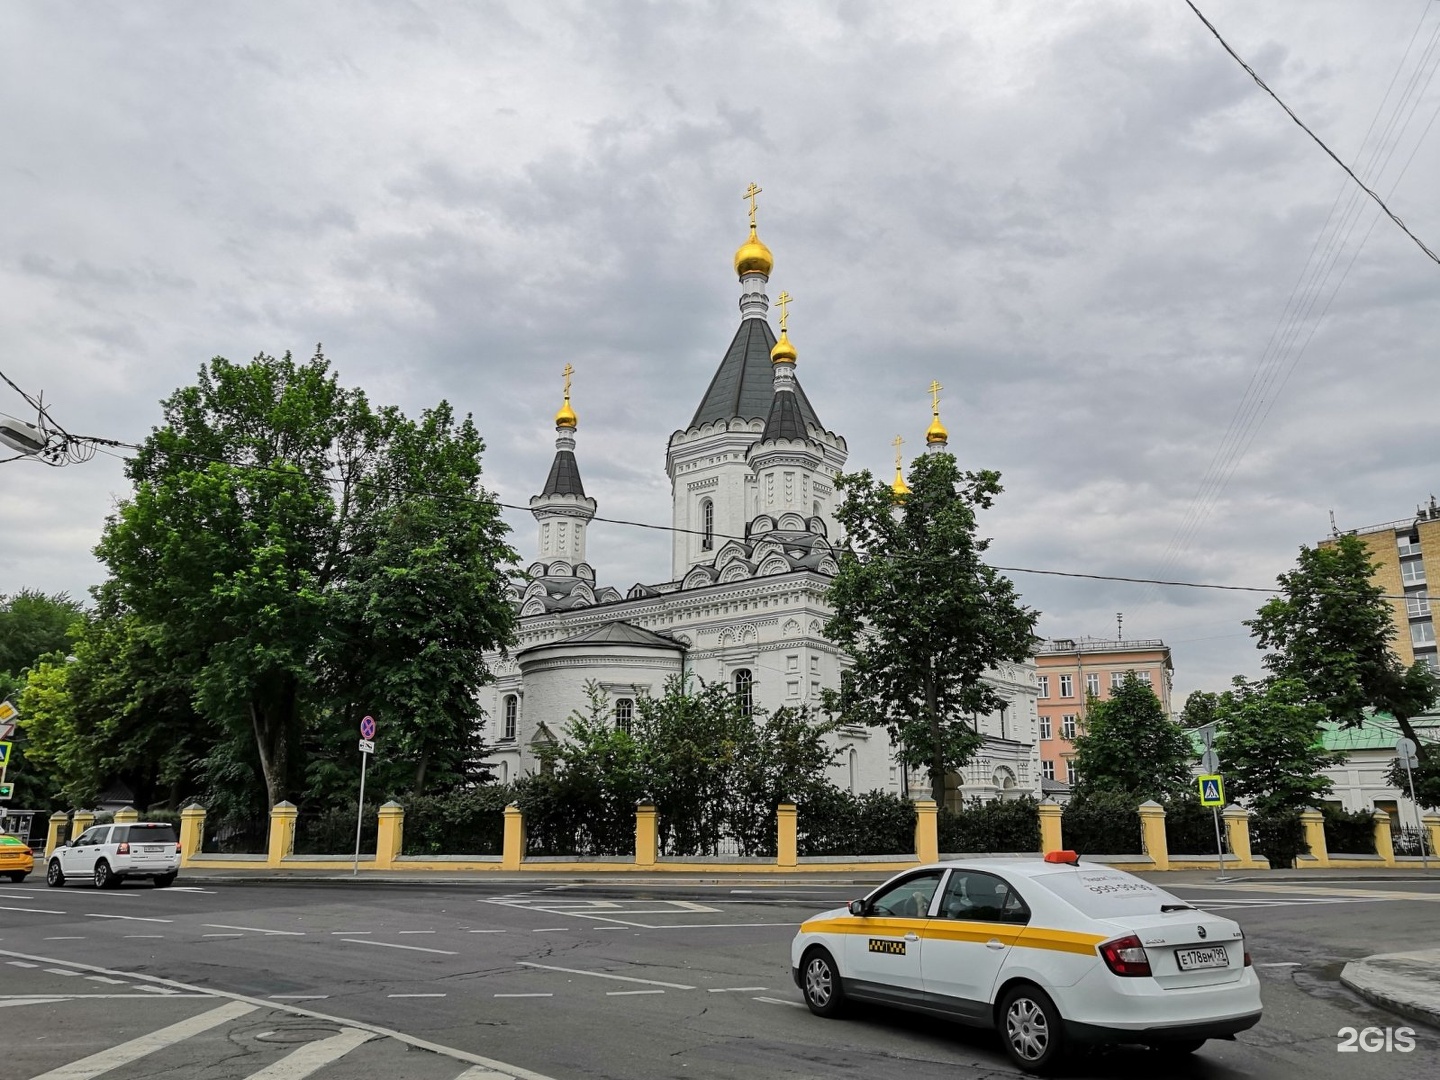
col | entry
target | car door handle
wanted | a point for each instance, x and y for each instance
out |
(912, 937)
(994, 943)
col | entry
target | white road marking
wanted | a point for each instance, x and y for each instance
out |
(297, 997)
(222, 935)
(485, 931)
(255, 930)
(417, 931)
(62, 971)
(103, 997)
(1284, 963)
(116, 1056)
(130, 918)
(131, 937)
(33, 910)
(65, 938)
(356, 933)
(549, 929)
(630, 993)
(735, 989)
(478, 1072)
(28, 1001)
(780, 1001)
(21, 963)
(391, 945)
(310, 1058)
(17, 896)
(605, 975)
(157, 989)
(105, 979)
(524, 995)
(413, 995)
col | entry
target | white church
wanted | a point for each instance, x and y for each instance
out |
(752, 479)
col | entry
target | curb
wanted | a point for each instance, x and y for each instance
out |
(1389, 992)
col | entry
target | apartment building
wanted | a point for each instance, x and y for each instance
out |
(1399, 549)
(1070, 671)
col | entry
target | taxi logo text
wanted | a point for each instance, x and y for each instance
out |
(896, 948)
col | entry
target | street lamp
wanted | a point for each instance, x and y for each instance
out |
(22, 436)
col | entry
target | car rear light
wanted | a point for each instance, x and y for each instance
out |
(1247, 958)
(123, 849)
(1126, 956)
(177, 849)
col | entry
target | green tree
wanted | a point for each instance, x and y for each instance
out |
(33, 624)
(1199, 709)
(920, 613)
(1130, 747)
(274, 544)
(1269, 744)
(1330, 630)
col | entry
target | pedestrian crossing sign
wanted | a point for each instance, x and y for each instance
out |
(4, 754)
(1212, 791)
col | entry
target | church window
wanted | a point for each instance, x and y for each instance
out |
(854, 771)
(512, 716)
(707, 525)
(744, 690)
(624, 714)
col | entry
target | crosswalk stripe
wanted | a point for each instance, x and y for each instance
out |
(116, 1056)
(479, 1072)
(304, 1060)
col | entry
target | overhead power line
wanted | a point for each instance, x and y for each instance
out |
(1318, 141)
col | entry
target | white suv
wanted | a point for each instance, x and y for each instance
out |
(109, 854)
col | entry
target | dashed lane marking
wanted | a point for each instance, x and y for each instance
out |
(417, 931)
(222, 935)
(489, 931)
(523, 995)
(604, 975)
(63, 971)
(81, 938)
(1284, 963)
(20, 963)
(735, 989)
(256, 930)
(780, 1001)
(352, 933)
(133, 937)
(630, 993)
(298, 997)
(414, 995)
(549, 929)
(33, 910)
(105, 979)
(116, 1056)
(392, 945)
(128, 918)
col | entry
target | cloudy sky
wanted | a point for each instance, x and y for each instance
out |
(1156, 306)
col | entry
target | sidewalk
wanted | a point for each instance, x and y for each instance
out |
(1407, 983)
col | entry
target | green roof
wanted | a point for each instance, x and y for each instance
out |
(1378, 731)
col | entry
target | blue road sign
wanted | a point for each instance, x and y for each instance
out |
(367, 728)
(1212, 791)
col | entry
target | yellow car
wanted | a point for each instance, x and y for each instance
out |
(16, 859)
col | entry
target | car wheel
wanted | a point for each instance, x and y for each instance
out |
(164, 881)
(823, 992)
(104, 879)
(1177, 1048)
(54, 876)
(1032, 1029)
(19, 877)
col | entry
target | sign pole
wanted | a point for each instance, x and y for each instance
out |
(360, 813)
(1219, 848)
(1419, 823)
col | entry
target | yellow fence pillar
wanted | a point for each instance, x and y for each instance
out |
(927, 831)
(282, 833)
(59, 822)
(391, 837)
(80, 821)
(647, 834)
(787, 842)
(1152, 833)
(192, 832)
(1237, 832)
(514, 850)
(128, 816)
(1051, 838)
(1313, 822)
(1384, 845)
(1431, 824)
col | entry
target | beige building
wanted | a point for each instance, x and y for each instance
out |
(1399, 548)
(1070, 671)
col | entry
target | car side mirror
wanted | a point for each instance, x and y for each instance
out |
(857, 907)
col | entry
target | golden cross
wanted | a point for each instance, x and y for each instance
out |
(935, 389)
(783, 301)
(567, 373)
(899, 442)
(750, 194)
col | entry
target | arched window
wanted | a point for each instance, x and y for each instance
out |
(624, 714)
(854, 758)
(744, 690)
(707, 526)
(512, 716)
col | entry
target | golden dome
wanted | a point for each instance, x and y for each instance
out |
(783, 352)
(936, 433)
(899, 486)
(566, 417)
(754, 257)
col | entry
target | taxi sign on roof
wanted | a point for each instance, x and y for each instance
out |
(1212, 790)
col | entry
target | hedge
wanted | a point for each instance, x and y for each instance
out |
(1280, 837)
(996, 826)
(1101, 824)
(470, 821)
(1349, 833)
(834, 822)
(1190, 827)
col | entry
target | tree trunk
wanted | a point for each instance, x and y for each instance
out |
(420, 770)
(271, 730)
(937, 751)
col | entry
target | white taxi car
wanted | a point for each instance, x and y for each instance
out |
(1047, 952)
(108, 854)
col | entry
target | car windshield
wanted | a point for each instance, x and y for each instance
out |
(146, 833)
(1102, 893)
(15, 840)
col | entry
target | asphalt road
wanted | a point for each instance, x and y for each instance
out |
(629, 981)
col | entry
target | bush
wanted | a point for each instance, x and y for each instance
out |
(834, 822)
(991, 827)
(467, 821)
(1101, 824)
(569, 813)
(1349, 833)
(331, 831)
(236, 834)
(1190, 827)
(1280, 837)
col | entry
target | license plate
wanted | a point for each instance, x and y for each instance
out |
(155, 847)
(1194, 959)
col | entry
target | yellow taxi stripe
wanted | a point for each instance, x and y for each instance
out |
(1025, 937)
